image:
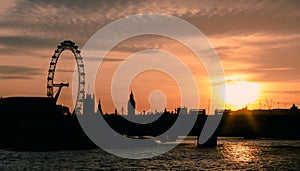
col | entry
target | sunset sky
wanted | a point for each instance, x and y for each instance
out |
(258, 43)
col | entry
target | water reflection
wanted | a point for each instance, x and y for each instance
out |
(241, 153)
(230, 154)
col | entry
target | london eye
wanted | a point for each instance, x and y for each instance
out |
(56, 83)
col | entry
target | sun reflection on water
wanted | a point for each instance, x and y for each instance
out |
(241, 153)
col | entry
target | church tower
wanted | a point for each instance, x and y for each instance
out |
(131, 105)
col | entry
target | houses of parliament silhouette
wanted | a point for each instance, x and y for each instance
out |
(90, 103)
(131, 105)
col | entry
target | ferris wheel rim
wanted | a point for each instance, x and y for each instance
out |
(68, 45)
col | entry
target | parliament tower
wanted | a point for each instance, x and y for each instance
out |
(131, 105)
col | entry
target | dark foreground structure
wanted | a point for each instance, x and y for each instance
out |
(38, 124)
(253, 124)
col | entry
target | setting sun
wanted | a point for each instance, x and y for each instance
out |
(240, 94)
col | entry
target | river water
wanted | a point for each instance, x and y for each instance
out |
(230, 154)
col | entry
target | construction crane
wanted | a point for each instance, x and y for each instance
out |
(269, 105)
(60, 86)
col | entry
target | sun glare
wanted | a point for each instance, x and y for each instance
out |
(240, 94)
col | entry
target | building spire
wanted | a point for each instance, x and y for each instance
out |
(99, 107)
(131, 93)
(131, 105)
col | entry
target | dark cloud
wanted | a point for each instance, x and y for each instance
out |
(259, 74)
(107, 59)
(65, 70)
(15, 77)
(45, 23)
(84, 18)
(284, 92)
(27, 42)
(226, 48)
(144, 42)
(18, 72)
(41, 24)
(276, 69)
(113, 59)
(17, 51)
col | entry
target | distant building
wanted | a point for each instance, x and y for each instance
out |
(294, 107)
(227, 111)
(181, 110)
(197, 111)
(131, 105)
(89, 104)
